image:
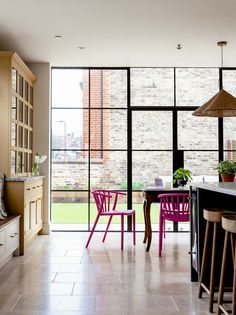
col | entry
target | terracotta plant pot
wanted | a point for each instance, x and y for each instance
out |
(227, 177)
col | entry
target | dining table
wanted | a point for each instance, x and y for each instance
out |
(150, 195)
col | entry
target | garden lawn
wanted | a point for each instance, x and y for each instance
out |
(77, 213)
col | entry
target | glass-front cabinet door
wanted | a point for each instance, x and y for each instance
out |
(21, 124)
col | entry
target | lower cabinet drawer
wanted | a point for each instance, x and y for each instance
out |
(12, 236)
(34, 189)
(2, 242)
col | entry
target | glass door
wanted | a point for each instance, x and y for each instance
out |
(89, 142)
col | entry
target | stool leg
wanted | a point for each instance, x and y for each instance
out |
(212, 277)
(204, 260)
(234, 283)
(232, 246)
(222, 276)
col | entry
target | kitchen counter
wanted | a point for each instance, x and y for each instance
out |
(23, 179)
(225, 188)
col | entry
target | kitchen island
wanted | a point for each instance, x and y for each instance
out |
(207, 195)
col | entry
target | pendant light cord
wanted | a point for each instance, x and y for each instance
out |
(222, 57)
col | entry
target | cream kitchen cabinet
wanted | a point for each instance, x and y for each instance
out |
(24, 196)
(16, 115)
(9, 238)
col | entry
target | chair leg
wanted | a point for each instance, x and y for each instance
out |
(222, 275)
(108, 225)
(204, 260)
(161, 243)
(93, 228)
(160, 235)
(164, 227)
(134, 229)
(122, 232)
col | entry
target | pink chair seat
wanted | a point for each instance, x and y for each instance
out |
(106, 202)
(118, 212)
(173, 207)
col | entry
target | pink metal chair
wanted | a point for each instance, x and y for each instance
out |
(173, 207)
(106, 202)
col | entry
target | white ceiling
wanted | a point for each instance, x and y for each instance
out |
(120, 32)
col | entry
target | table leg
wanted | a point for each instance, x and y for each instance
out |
(175, 226)
(148, 226)
(145, 221)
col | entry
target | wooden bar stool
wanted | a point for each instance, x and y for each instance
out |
(213, 217)
(229, 225)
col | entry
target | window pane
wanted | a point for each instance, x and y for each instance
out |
(108, 129)
(68, 88)
(202, 165)
(152, 87)
(152, 130)
(70, 208)
(194, 87)
(137, 198)
(69, 170)
(108, 171)
(69, 156)
(108, 88)
(229, 134)
(229, 81)
(150, 165)
(102, 223)
(69, 128)
(230, 155)
(197, 133)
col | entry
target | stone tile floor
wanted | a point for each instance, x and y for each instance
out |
(58, 276)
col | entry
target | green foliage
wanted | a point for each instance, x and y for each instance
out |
(182, 174)
(226, 167)
(135, 186)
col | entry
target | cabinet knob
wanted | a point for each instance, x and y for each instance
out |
(1, 244)
(190, 253)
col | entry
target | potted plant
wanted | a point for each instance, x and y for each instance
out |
(227, 170)
(181, 176)
(38, 159)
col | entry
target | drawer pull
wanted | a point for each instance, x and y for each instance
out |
(1, 244)
(13, 235)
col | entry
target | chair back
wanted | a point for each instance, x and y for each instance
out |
(105, 200)
(175, 207)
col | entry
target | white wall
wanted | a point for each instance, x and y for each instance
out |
(41, 137)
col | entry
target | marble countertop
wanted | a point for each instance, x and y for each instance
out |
(226, 188)
(23, 179)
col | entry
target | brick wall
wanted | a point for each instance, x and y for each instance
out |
(99, 119)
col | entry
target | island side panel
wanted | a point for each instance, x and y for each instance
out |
(205, 198)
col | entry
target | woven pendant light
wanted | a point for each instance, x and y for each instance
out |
(223, 104)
